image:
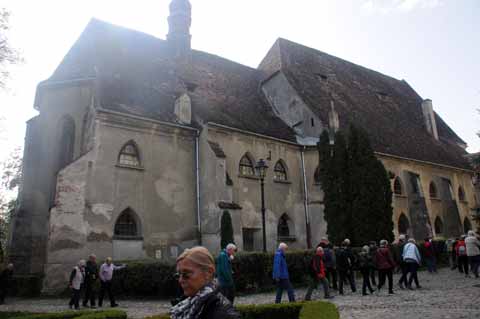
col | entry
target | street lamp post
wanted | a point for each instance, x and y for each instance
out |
(261, 169)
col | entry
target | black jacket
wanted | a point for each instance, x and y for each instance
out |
(218, 307)
(91, 272)
(345, 259)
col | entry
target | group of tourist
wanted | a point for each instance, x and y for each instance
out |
(85, 275)
(464, 254)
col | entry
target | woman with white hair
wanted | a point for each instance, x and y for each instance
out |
(280, 274)
(473, 251)
(76, 279)
(411, 257)
(195, 271)
(225, 273)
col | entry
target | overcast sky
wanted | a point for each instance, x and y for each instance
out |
(432, 44)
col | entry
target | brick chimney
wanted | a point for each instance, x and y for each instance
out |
(429, 118)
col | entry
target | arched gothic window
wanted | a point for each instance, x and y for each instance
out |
(246, 166)
(280, 172)
(397, 186)
(283, 230)
(466, 225)
(403, 224)
(461, 193)
(316, 176)
(126, 225)
(129, 155)
(438, 226)
(433, 190)
(67, 142)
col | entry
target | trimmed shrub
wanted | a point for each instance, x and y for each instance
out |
(109, 314)
(27, 286)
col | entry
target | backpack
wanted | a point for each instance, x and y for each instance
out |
(462, 250)
(327, 256)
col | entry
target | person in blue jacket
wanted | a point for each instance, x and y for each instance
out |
(224, 272)
(280, 274)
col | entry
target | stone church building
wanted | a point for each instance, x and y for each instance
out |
(142, 144)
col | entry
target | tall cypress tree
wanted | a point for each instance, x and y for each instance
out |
(226, 230)
(370, 192)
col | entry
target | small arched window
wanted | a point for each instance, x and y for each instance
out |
(129, 155)
(461, 193)
(283, 230)
(438, 226)
(126, 225)
(433, 190)
(466, 225)
(246, 166)
(280, 172)
(403, 224)
(397, 186)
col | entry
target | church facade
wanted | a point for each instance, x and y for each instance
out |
(141, 145)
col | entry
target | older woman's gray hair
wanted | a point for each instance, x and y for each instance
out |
(471, 233)
(383, 243)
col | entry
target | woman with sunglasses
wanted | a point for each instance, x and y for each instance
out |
(195, 271)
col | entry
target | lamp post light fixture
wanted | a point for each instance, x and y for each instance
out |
(261, 169)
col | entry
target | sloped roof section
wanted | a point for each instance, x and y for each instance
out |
(387, 108)
(137, 75)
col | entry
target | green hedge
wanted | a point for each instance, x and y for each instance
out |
(109, 314)
(294, 310)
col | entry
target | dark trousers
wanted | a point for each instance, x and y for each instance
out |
(474, 264)
(228, 292)
(314, 285)
(463, 264)
(331, 274)
(106, 286)
(385, 273)
(75, 299)
(346, 275)
(89, 293)
(372, 275)
(284, 284)
(366, 272)
(412, 269)
(403, 278)
(431, 263)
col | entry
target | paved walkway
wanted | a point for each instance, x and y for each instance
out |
(443, 296)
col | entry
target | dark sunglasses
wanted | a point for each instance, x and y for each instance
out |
(183, 274)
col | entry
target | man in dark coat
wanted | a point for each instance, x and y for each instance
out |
(345, 263)
(91, 275)
(5, 282)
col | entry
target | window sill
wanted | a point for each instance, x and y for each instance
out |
(281, 181)
(137, 238)
(287, 238)
(249, 177)
(138, 168)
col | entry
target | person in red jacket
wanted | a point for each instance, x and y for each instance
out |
(318, 273)
(462, 258)
(385, 265)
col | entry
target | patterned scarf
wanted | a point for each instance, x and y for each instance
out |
(192, 307)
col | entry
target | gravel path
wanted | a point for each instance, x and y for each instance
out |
(445, 295)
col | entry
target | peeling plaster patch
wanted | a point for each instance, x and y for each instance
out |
(167, 187)
(245, 189)
(250, 217)
(98, 237)
(105, 210)
(65, 244)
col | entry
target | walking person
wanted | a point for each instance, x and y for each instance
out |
(385, 266)
(365, 263)
(195, 271)
(91, 275)
(411, 257)
(429, 254)
(462, 258)
(77, 277)
(5, 282)
(450, 250)
(224, 272)
(317, 270)
(330, 265)
(345, 262)
(106, 276)
(402, 282)
(473, 251)
(280, 274)
(373, 271)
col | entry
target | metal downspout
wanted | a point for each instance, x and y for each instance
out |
(305, 203)
(197, 177)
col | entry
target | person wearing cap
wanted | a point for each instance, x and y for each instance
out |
(473, 251)
(77, 277)
(106, 276)
(345, 263)
(280, 274)
(224, 271)
(317, 270)
(195, 272)
(5, 281)
(91, 275)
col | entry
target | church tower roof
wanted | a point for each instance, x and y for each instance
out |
(179, 22)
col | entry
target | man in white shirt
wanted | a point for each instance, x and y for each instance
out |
(106, 276)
